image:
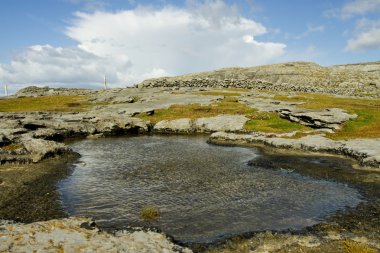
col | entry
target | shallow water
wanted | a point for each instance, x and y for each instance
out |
(204, 192)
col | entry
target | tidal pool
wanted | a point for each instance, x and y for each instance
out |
(204, 192)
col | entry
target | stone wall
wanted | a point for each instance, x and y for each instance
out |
(348, 90)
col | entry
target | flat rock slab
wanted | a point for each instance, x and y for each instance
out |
(228, 123)
(330, 118)
(71, 235)
(366, 151)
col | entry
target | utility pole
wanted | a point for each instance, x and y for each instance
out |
(6, 89)
(105, 82)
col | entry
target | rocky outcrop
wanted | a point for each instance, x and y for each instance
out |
(36, 134)
(79, 235)
(34, 91)
(40, 149)
(366, 151)
(293, 76)
(330, 118)
(228, 123)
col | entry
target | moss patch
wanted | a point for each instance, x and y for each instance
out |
(149, 213)
(354, 247)
(57, 103)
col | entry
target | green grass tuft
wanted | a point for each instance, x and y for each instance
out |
(149, 213)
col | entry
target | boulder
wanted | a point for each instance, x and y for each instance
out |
(174, 126)
(228, 123)
(40, 149)
(330, 118)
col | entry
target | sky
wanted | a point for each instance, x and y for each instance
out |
(74, 43)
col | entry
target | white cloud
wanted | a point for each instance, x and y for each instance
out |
(132, 45)
(354, 8)
(47, 64)
(311, 29)
(365, 41)
(360, 7)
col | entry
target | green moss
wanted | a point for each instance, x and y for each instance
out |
(149, 213)
(355, 247)
(271, 123)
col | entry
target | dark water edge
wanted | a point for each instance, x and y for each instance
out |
(205, 193)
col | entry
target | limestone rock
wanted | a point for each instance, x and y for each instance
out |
(40, 149)
(69, 235)
(174, 126)
(366, 151)
(227, 123)
(327, 118)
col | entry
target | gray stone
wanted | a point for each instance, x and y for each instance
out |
(40, 149)
(328, 118)
(228, 123)
(69, 235)
(174, 126)
(366, 151)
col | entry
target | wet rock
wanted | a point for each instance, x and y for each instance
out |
(68, 235)
(366, 151)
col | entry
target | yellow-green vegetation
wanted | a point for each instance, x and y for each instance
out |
(355, 247)
(366, 125)
(264, 122)
(11, 147)
(149, 213)
(270, 122)
(59, 103)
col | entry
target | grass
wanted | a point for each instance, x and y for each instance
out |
(264, 122)
(366, 125)
(59, 103)
(149, 213)
(354, 247)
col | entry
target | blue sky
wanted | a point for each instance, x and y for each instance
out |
(75, 42)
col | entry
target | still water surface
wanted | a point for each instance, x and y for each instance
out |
(204, 192)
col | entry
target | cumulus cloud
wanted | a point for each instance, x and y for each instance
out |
(47, 64)
(360, 7)
(132, 45)
(354, 8)
(365, 41)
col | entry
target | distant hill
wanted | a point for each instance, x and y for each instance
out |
(362, 79)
